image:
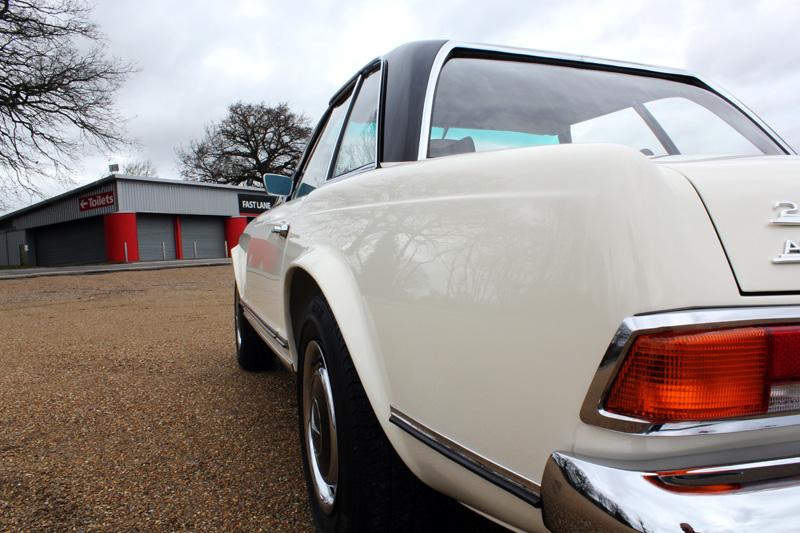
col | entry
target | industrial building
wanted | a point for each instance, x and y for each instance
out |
(130, 218)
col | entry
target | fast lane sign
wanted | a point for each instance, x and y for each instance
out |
(255, 204)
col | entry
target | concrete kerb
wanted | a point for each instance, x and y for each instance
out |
(79, 270)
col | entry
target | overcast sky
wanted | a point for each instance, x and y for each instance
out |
(197, 57)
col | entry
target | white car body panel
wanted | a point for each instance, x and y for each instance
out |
(740, 195)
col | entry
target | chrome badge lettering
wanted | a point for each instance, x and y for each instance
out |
(787, 217)
(791, 253)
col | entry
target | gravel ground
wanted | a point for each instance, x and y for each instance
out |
(122, 409)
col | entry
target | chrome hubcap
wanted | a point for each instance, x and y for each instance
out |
(319, 423)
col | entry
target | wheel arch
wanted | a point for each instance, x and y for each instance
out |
(331, 275)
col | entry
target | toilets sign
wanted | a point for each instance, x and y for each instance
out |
(96, 201)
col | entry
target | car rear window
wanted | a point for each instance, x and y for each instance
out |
(487, 104)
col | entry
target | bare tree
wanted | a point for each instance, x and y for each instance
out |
(252, 140)
(145, 169)
(56, 92)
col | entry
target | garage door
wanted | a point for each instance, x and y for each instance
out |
(205, 234)
(71, 243)
(156, 234)
(4, 261)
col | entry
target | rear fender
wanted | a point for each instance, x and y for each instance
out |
(325, 268)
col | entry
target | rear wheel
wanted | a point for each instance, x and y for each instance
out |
(356, 481)
(252, 353)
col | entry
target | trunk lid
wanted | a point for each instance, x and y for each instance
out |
(754, 203)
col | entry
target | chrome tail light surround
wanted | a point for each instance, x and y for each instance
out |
(592, 411)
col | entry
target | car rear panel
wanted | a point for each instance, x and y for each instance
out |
(745, 198)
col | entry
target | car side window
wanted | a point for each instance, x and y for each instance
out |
(359, 144)
(316, 167)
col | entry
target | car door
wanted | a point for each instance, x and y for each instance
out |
(272, 229)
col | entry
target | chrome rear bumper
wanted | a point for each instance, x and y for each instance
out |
(580, 495)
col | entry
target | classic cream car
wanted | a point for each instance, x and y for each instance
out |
(562, 291)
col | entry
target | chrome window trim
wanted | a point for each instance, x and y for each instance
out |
(311, 147)
(448, 47)
(592, 411)
(520, 486)
(375, 68)
(340, 136)
(380, 71)
(350, 173)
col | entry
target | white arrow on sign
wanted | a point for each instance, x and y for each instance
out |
(83, 202)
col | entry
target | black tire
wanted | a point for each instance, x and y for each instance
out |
(252, 353)
(356, 481)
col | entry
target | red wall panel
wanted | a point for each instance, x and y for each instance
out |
(121, 229)
(234, 227)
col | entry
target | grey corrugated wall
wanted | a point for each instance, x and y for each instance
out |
(64, 210)
(180, 198)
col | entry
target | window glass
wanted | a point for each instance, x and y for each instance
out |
(359, 143)
(679, 117)
(316, 168)
(493, 139)
(486, 104)
(625, 126)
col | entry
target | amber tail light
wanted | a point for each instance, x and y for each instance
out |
(710, 374)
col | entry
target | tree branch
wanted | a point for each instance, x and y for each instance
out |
(56, 93)
(252, 140)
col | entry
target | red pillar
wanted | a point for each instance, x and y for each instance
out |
(178, 238)
(121, 230)
(234, 227)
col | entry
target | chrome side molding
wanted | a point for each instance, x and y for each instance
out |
(278, 344)
(519, 486)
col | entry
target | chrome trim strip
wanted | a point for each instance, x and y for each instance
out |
(272, 333)
(521, 487)
(278, 344)
(449, 46)
(728, 470)
(592, 411)
(427, 106)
